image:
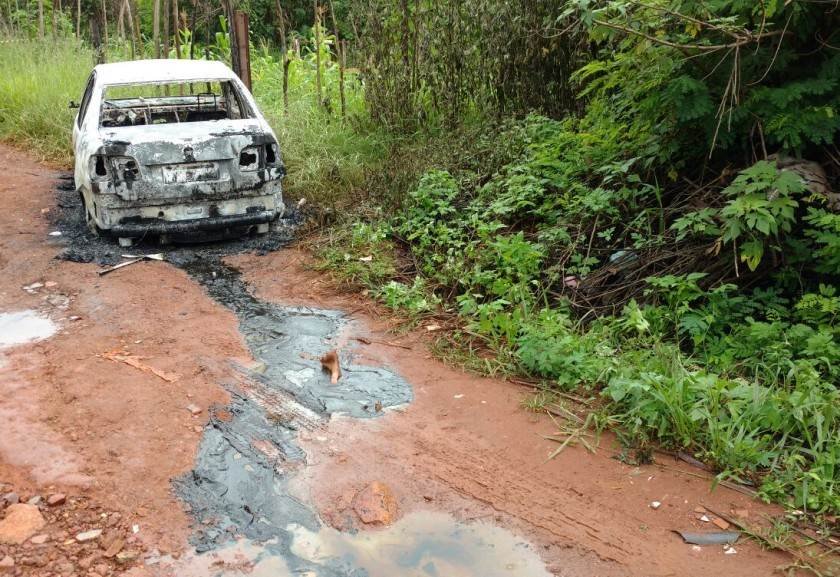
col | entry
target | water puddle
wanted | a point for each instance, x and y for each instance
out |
(422, 544)
(24, 327)
(238, 491)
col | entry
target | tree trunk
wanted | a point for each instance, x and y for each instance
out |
(121, 21)
(156, 27)
(105, 22)
(166, 17)
(41, 19)
(176, 19)
(339, 52)
(192, 28)
(318, 54)
(78, 19)
(284, 50)
(55, 11)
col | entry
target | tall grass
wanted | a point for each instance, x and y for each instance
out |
(37, 82)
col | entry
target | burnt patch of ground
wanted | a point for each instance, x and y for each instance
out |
(81, 245)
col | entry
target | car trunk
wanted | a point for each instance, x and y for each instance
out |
(184, 160)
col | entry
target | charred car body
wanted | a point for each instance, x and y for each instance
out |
(174, 146)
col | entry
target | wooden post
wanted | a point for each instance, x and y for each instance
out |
(240, 23)
(318, 54)
(156, 27)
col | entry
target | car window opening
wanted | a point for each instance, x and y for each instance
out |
(172, 102)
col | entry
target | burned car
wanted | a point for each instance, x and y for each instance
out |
(165, 147)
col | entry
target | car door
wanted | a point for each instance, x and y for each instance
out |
(80, 160)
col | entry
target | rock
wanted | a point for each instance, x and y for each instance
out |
(376, 504)
(194, 409)
(655, 505)
(114, 548)
(6, 563)
(88, 535)
(11, 498)
(722, 524)
(126, 556)
(34, 500)
(56, 499)
(39, 539)
(101, 568)
(21, 522)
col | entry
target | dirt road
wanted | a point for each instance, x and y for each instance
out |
(150, 399)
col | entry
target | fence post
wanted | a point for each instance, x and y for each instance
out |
(240, 24)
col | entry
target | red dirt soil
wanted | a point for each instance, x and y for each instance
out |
(79, 423)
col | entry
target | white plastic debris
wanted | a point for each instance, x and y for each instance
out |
(655, 505)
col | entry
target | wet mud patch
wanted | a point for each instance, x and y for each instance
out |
(80, 245)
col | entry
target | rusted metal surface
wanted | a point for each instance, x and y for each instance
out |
(200, 160)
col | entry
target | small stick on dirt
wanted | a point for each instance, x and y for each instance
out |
(365, 341)
(134, 259)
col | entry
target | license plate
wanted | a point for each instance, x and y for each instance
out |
(190, 172)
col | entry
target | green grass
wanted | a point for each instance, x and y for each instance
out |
(37, 82)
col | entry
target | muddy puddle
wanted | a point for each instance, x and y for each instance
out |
(248, 520)
(21, 327)
(422, 544)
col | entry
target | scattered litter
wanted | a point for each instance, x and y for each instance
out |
(458, 396)
(32, 288)
(135, 529)
(432, 328)
(709, 538)
(137, 363)
(655, 505)
(50, 284)
(571, 281)
(723, 525)
(366, 258)
(55, 233)
(329, 362)
(705, 518)
(727, 550)
(696, 548)
(133, 259)
(301, 202)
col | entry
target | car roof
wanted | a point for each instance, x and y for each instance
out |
(153, 71)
